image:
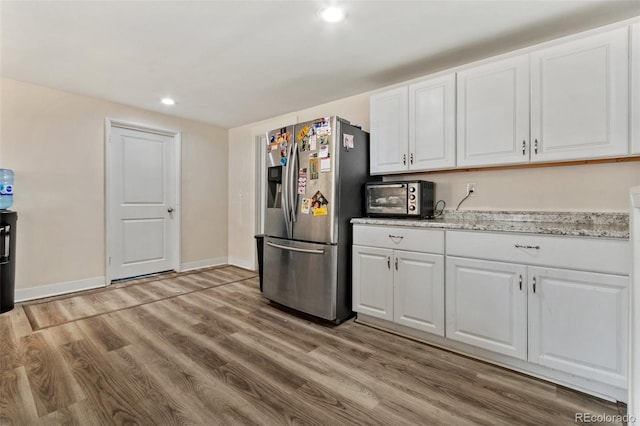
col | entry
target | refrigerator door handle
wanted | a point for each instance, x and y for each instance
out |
(5, 240)
(284, 195)
(301, 250)
(293, 188)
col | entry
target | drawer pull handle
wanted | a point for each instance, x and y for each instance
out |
(396, 262)
(534, 284)
(526, 246)
(388, 262)
(399, 237)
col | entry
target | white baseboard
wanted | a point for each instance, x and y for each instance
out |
(204, 263)
(24, 294)
(243, 263)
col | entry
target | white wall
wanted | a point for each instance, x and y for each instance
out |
(54, 141)
(586, 187)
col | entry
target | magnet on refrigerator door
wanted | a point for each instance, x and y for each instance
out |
(313, 166)
(325, 165)
(302, 181)
(304, 132)
(319, 204)
(347, 141)
(305, 207)
(322, 127)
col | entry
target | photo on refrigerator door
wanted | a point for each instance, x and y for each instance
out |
(319, 204)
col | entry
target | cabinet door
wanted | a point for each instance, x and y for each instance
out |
(486, 305)
(493, 113)
(389, 131)
(373, 282)
(578, 323)
(432, 124)
(635, 88)
(579, 98)
(418, 295)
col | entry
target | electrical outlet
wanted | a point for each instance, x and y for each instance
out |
(471, 188)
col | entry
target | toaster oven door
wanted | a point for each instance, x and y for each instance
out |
(387, 199)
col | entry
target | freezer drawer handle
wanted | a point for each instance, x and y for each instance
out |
(5, 236)
(301, 250)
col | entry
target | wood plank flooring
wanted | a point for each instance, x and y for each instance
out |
(206, 348)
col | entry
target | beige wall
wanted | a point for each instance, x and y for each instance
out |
(54, 141)
(592, 187)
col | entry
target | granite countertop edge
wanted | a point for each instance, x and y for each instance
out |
(597, 225)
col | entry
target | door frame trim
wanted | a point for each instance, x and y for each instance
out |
(109, 123)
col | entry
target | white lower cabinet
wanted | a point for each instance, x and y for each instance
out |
(418, 291)
(551, 305)
(373, 282)
(574, 321)
(487, 305)
(578, 323)
(402, 286)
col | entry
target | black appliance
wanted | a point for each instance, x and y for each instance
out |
(8, 221)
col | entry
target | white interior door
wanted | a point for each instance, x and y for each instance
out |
(141, 203)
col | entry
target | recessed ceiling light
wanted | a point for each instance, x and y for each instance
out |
(168, 101)
(332, 14)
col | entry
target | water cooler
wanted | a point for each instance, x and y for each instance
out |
(8, 221)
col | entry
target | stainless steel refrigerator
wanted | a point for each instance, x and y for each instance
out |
(315, 176)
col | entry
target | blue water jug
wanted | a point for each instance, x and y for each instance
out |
(6, 188)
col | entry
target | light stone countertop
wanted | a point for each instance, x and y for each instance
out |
(577, 224)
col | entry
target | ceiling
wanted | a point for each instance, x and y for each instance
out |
(234, 62)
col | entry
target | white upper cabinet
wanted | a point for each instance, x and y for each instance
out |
(572, 100)
(579, 98)
(493, 113)
(635, 88)
(413, 127)
(432, 121)
(389, 131)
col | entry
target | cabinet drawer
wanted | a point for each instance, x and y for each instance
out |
(587, 254)
(400, 238)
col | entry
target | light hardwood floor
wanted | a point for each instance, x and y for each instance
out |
(206, 348)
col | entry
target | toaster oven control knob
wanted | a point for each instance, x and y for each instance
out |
(412, 189)
(412, 208)
(412, 197)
